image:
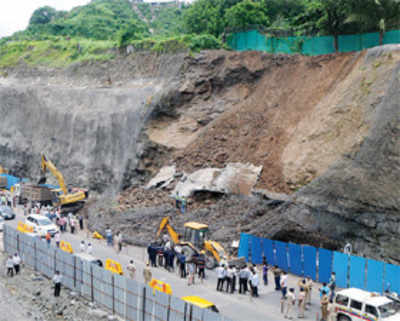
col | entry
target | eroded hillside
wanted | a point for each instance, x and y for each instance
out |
(324, 129)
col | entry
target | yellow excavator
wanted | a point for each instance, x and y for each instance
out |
(69, 201)
(195, 240)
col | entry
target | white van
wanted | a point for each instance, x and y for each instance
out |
(41, 225)
(355, 305)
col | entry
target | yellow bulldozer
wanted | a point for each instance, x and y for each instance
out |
(195, 240)
(69, 201)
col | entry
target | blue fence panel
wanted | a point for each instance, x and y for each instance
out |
(357, 272)
(325, 265)
(281, 255)
(375, 276)
(310, 261)
(392, 278)
(269, 247)
(340, 267)
(296, 262)
(244, 246)
(256, 250)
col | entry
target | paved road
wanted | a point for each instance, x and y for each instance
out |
(235, 306)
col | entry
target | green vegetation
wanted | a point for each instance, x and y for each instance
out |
(95, 31)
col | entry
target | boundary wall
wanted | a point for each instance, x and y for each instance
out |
(127, 298)
(318, 263)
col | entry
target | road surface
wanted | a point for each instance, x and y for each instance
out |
(235, 306)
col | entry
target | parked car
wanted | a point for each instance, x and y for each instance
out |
(7, 213)
(41, 225)
(355, 304)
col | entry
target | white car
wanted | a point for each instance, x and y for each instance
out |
(355, 305)
(41, 225)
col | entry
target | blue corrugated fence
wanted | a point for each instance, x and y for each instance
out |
(318, 263)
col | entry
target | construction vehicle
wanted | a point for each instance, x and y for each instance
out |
(2, 170)
(69, 201)
(195, 241)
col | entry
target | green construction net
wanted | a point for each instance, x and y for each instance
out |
(254, 40)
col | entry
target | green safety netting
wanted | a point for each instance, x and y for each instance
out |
(391, 37)
(254, 40)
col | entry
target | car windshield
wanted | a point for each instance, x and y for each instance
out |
(388, 309)
(44, 221)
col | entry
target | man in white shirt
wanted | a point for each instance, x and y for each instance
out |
(10, 266)
(254, 280)
(17, 262)
(283, 284)
(132, 269)
(57, 278)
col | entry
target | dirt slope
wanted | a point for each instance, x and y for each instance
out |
(261, 121)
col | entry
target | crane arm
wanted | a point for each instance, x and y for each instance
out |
(48, 165)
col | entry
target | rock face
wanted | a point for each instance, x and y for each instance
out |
(324, 129)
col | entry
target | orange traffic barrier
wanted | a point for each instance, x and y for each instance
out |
(114, 266)
(66, 247)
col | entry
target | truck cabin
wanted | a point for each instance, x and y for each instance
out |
(196, 233)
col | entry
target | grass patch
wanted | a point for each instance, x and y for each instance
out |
(55, 53)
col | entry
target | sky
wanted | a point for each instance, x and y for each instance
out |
(15, 14)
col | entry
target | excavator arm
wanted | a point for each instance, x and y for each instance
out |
(48, 165)
(165, 225)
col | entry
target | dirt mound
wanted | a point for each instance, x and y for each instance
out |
(256, 120)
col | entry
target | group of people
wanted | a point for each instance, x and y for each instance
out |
(13, 264)
(111, 240)
(7, 200)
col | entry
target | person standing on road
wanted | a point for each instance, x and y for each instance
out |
(301, 302)
(147, 275)
(80, 222)
(132, 269)
(243, 278)
(57, 278)
(17, 263)
(10, 266)
(201, 264)
(82, 246)
(57, 238)
(182, 265)
(221, 276)
(72, 224)
(118, 239)
(277, 277)
(191, 270)
(229, 279)
(109, 236)
(324, 305)
(283, 283)
(265, 271)
(254, 281)
(290, 302)
(234, 277)
(324, 289)
(48, 239)
(308, 288)
(89, 249)
(332, 286)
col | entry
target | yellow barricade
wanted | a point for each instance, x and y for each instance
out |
(160, 286)
(21, 227)
(66, 247)
(114, 266)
